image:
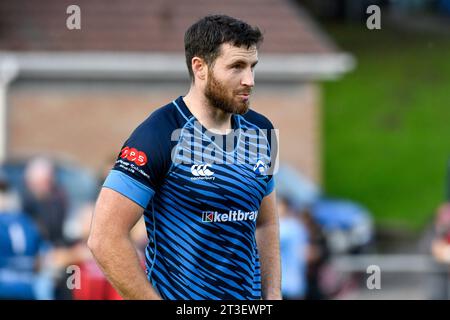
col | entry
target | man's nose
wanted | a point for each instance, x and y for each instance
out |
(248, 79)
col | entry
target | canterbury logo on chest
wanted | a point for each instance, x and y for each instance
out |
(202, 172)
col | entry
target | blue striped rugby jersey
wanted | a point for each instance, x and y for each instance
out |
(201, 195)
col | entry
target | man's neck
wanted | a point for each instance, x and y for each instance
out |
(212, 118)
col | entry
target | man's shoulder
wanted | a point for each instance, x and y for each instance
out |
(163, 120)
(257, 120)
(162, 116)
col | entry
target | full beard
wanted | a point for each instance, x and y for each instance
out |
(218, 97)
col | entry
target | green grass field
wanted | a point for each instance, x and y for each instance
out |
(387, 124)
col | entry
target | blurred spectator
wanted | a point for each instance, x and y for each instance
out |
(294, 251)
(20, 248)
(333, 226)
(440, 246)
(318, 255)
(347, 226)
(299, 194)
(440, 249)
(44, 200)
(93, 284)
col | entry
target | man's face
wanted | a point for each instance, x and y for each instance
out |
(231, 79)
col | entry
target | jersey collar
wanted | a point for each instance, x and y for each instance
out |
(186, 113)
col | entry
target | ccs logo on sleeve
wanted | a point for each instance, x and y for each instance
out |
(134, 155)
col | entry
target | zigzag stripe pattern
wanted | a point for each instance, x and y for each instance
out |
(193, 259)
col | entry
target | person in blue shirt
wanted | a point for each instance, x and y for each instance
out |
(294, 248)
(20, 248)
(200, 169)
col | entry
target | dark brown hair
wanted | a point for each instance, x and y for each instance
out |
(203, 38)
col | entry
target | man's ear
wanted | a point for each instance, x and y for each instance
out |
(199, 68)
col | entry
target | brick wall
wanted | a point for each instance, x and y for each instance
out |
(295, 111)
(88, 121)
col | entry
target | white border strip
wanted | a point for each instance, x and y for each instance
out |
(169, 66)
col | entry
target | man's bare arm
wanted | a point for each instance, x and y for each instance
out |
(110, 243)
(268, 240)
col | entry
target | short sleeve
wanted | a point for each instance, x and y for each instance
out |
(142, 162)
(272, 138)
(271, 134)
(270, 185)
